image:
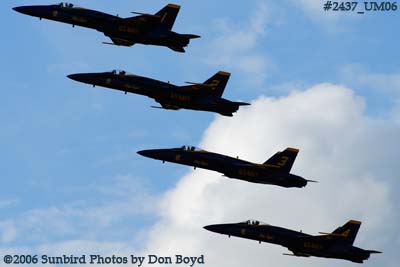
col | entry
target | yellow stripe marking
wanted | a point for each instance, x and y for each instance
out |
(224, 73)
(174, 6)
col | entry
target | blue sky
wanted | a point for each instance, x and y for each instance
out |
(70, 147)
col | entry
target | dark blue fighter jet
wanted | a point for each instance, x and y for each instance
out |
(145, 29)
(205, 96)
(338, 244)
(275, 171)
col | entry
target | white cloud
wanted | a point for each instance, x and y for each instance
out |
(339, 146)
(5, 203)
(360, 76)
(384, 86)
(84, 219)
(351, 155)
(235, 46)
(7, 232)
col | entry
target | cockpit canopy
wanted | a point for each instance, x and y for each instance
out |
(254, 222)
(122, 73)
(119, 72)
(190, 148)
(66, 5)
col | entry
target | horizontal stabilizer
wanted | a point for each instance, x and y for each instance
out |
(374, 251)
(189, 36)
(242, 103)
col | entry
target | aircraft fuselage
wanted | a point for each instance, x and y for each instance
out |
(230, 167)
(301, 244)
(122, 33)
(168, 95)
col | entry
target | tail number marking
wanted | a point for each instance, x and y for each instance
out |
(283, 161)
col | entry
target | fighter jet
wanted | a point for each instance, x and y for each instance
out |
(144, 29)
(275, 171)
(205, 96)
(338, 244)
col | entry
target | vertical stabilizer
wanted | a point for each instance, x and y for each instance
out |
(348, 231)
(168, 15)
(283, 160)
(217, 83)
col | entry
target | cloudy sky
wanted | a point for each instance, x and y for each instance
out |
(326, 83)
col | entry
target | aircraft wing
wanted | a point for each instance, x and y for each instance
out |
(198, 88)
(297, 254)
(118, 41)
(165, 105)
(245, 164)
(325, 237)
(213, 86)
(144, 20)
(165, 18)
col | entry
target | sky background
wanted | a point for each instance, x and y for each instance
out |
(327, 83)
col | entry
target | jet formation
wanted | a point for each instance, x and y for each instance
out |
(156, 29)
(205, 96)
(275, 171)
(147, 29)
(338, 244)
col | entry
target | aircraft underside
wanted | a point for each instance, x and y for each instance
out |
(328, 255)
(177, 106)
(175, 45)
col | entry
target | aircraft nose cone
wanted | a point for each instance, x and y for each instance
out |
(213, 228)
(20, 9)
(89, 78)
(75, 77)
(146, 153)
(30, 10)
(208, 227)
